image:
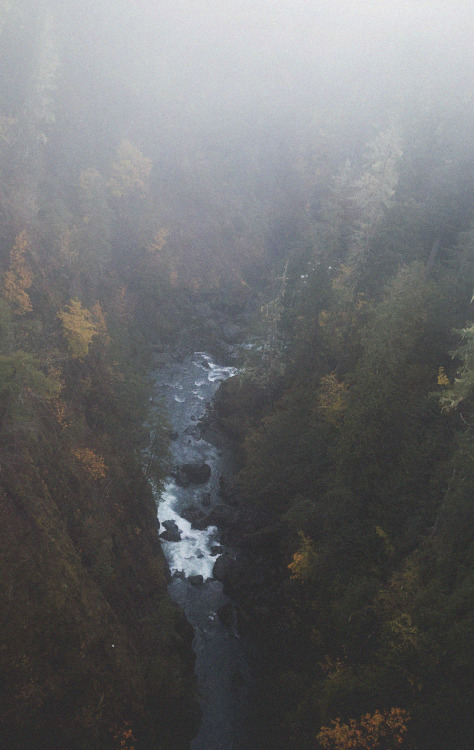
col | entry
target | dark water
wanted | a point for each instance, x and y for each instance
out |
(222, 667)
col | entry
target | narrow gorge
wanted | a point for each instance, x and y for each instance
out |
(189, 510)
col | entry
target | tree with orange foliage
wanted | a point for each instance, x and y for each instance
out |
(382, 729)
(124, 738)
(303, 559)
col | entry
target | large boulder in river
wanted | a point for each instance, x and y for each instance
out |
(171, 535)
(225, 570)
(225, 614)
(170, 525)
(194, 431)
(196, 580)
(192, 473)
(195, 516)
(223, 516)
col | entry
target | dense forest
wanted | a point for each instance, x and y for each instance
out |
(355, 430)
(157, 179)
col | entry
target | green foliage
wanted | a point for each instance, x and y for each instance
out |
(22, 385)
(94, 653)
(462, 389)
(355, 485)
(362, 478)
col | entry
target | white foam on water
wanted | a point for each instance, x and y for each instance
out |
(220, 373)
(179, 400)
(185, 556)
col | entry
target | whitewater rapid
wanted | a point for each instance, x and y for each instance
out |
(193, 554)
(224, 677)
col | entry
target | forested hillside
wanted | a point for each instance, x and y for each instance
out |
(165, 172)
(93, 651)
(354, 421)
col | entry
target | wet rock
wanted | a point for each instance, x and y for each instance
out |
(223, 515)
(226, 492)
(195, 516)
(226, 614)
(170, 525)
(216, 549)
(197, 580)
(225, 570)
(194, 431)
(200, 522)
(206, 499)
(223, 350)
(193, 473)
(171, 535)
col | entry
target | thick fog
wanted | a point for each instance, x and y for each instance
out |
(241, 106)
(284, 188)
(213, 62)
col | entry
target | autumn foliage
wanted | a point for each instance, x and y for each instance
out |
(123, 737)
(78, 328)
(382, 729)
(93, 464)
(19, 278)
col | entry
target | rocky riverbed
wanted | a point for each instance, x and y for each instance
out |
(192, 512)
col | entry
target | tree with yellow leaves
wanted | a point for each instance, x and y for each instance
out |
(92, 464)
(78, 328)
(130, 171)
(331, 399)
(19, 277)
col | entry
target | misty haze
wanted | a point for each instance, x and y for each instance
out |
(236, 374)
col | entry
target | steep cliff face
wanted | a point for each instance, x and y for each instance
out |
(92, 645)
(355, 508)
(93, 651)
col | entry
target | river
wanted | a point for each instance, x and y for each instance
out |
(224, 678)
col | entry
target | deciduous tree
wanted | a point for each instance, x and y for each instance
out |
(78, 328)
